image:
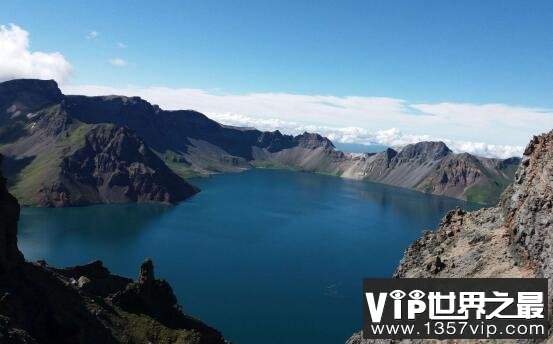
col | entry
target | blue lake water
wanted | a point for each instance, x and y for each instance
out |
(264, 256)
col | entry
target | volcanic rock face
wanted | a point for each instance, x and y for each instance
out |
(84, 304)
(511, 240)
(528, 207)
(114, 166)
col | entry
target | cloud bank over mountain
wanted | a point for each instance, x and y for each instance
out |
(18, 61)
(491, 130)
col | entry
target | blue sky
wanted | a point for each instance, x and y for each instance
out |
(466, 51)
(423, 52)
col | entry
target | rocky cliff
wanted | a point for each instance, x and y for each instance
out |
(113, 166)
(513, 239)
(84, 304)
(56, 160)
(41, 130)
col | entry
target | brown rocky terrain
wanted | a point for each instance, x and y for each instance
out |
(84, 304)
(513, 239)
(113, 166)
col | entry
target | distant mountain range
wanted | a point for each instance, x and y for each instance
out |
(67, 150)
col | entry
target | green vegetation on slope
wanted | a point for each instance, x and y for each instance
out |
(482, 194)
(136, 328)
(177, 164)
(487, 194)
(490, 193)
(273, 165)
(45, 166)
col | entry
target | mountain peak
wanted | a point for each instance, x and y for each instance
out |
(314, 140)
(25, 95)
(430, 149)
(45, 87)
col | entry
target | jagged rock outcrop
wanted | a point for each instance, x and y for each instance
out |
(153, 296)
(113, 166)
(84, 304)
(512, 239)
(38, 123)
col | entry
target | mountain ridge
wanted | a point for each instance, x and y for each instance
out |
(35, 117)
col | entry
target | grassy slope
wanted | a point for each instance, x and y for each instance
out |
(484, 194)
(489, 194)
(45, 167)
(204, 165)
(273, 165)
(139, 328)
(181, 169)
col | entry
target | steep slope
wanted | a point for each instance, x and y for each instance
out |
(513, 239)
(113, 166)
(56, 160)
(191, 144)
(84, 304)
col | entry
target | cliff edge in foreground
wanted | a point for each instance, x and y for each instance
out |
(513, 239)
(84, 304)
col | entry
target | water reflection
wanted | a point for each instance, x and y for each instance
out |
(42, 232)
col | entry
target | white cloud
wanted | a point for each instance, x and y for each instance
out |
(393, 137)
(92, 35)
(389, 137)
(486, 129)
(119, 62)
(17, 61)
(121, 45)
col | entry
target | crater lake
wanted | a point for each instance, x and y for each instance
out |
(265, 256)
